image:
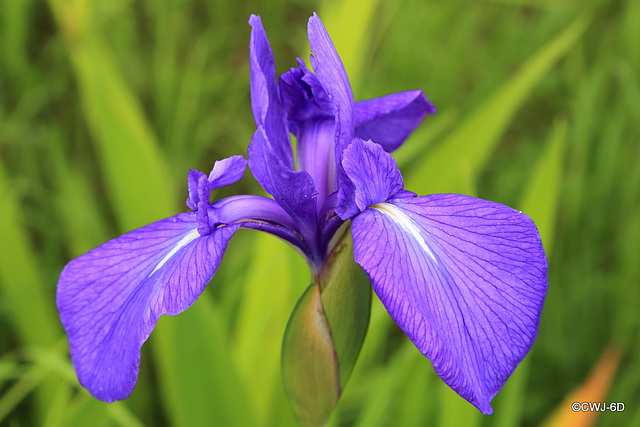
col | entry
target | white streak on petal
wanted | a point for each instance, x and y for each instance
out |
(407, 225)
(181, 244)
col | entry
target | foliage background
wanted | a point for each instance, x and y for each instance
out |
(104, 106)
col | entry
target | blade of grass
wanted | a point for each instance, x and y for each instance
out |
(410, 152)
(61, 407)
(454, 410)
(349, 22)
(273, 284)
(540, 202)
(200, 381)
(450, 167)
(26, 299)
(16, 393)
(378, 411)
(84, 226)
(28, 302)
(137, 175)
(541, 197)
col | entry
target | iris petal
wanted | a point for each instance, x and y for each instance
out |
(464, 278)
(265, 98)
(110, 298)
(331, 73)
(390, 119)
(227, 171)
(304, 98)
(373, 177)
(293, 191)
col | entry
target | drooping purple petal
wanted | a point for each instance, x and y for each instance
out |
(292, 190)
(464, 278)
(390, 119)
(373, 175)
(227, 171)
(110, 298)
(265, 98)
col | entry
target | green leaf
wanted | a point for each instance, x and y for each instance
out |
(348, 23)
(453, 165)
(270, 290)
(325, 334)
(540, 202)
(541, 197)
(137, 177)
(345, 290)
(199, 381)
(23, 290)
(454, 410)
(310, 370)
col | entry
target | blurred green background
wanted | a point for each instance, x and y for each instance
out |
(104, 106)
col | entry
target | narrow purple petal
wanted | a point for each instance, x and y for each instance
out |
(110, 298)
(331, 73)
(316, 155)
(311, 118)
(293, 191)
(464, 278)
(373, 174)
(227, 171)
(390, 119)
(224, 172)
(193, 184)
(265, 98)
(205, 227)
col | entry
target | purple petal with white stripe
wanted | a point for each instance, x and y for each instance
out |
(390, 119)
(110, 298)
(464, 278)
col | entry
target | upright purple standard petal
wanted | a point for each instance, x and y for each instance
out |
(331, 73)
(390, 119)
(265, 98)
(110, 298)
(464, 278)
(293, 191)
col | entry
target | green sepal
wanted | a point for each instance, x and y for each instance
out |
(325, 333)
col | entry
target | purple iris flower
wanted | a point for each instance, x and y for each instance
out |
(464, 278)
